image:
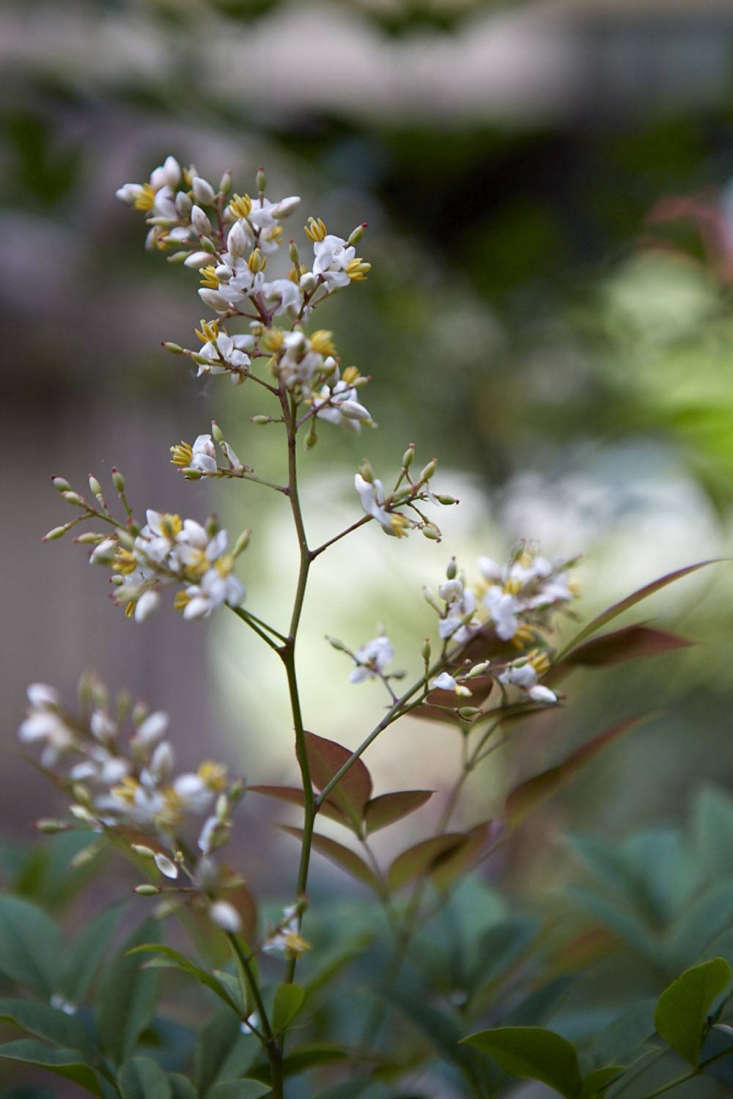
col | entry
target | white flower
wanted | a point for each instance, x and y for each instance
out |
(458, 624)
(338, 405)
(227, 352)
(166, 866)
(203, 192)
(539, 693)
(371, 495)
(503, 608)
(446, 682)
(204, 454)
(193, 792)
(146, 605)
(280, 296)
(520, 675)
(213, 590)
(372, 659)
(225, 916)
(167, 175)
(151, 729)
(332, 256)
(41, 696)
(48, 727)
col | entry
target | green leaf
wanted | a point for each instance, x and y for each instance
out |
(713, 826)
(526, 797)
(628, 643)
(325, 758)
(126, 997)
(295, 796)
(595, 1083)
(223, 1052)
(623, 1038)
(533, 1053)
(86, 953)
(239, 1089)
(31, 947)
(420, 858)
(63, 1062)
(45, 1022)
(344, 857)
(684, 1005)
(388, 808)
(288, 1002)
(331, 964)
(143, 1078)
(631, 600)
(167, 956)
(181, 1086)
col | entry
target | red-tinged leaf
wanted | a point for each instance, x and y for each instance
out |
(295, 796)
(525, 798)
(450, 866)
(419, 860)
(325, 758)
(388, 808)
(344, 857)
(636, 597)
(628, 643)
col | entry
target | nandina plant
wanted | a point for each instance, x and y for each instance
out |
(352, 997)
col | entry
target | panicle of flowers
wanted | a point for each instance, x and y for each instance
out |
(165, 550)
(524, 591)
(118, 768)
(407, 493)
(231, 240)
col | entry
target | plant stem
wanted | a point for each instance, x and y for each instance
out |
(252, 622)
(272, 1047)
(337, 537)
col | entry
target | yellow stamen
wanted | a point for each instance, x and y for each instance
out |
(512, 586)
(400, 525)
(322, 343)
(171, 525)
(213, 774)
(130, 608)
(295, 944)
(125, 562)
(351, 374)
(539, 661)
(209, 277)
(272, 339)
(181, 600)
(181, 454)
(240, 206)
(145, 199)
(315, 230)
(224, 564)
(126, 790)
(256, 262)
(208, 332)
(357, 269)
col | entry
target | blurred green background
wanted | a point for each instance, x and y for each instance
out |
(548, 188)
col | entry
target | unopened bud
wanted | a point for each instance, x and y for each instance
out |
(293, 253)
(221, 809)
(225, 915)
(429, 470)
(177, 257)
(61, 484)
(73, 498)
(261, 180)
(366, 471)
(118, 480)
(200, 222)
(174, 348)
(192, 474)
(260, 419)
(51, 827)
(241, 543)
(442, 498)
(426, 650)
(431, 600)
(408, 456)
(225, 183)
(468, 712)
(183, 205)
(81, 794)
(477, 669)
(432, 532)
(56, 532)
(216, 432)
(146, 890)
(338, 645)
(452, 569)
(94, 486)
(203, 192)
(141, 849)
(236, 790)
(356, 234)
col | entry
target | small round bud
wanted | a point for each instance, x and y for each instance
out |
(174, 348)
(366, 471)
(356, 234)
(452, 569)
(203, 192)
(61, 484)
(442, 498)
(241, 543)
(146, 890)
(225, 183)
(118, 480)
(432, 532)
(94, 486)
(225, 915)
(216, 432)
(183, 205)
(426, 650)
(261, 180)
(260, 419)
(73, 498)
(56, 532)
(192, 474)
(200, 222)
(408, 456)
(429, 470)
(478, 669)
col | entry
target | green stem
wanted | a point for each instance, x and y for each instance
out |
(252, 622)
(337, 537)
(272, 1047)
(689, 1075)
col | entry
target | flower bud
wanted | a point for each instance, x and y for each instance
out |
(216, 432)
(238, 240)
(261, 419)
(285, 207)
(261, 180)
(408, 456)
(468, 712)
(241, 543)
(94, 486)
(312, 437)
(225, 183)
(56, 532)
(61, 484)
(432, 532)
(426, 650)
(452, 569)
(203, 192)
(442, 498)
(73, 498)
(118, 480)
(141, 849)
(477, 669)
(223, 914)
(200, 222)
(338, 645)
(146, 890)
(197, 259)
(183, 205)
(431, 600)
(174, 348)
(308, 282)
(429, 470)
(366, 471)
(356, 234)
(51, 827)
(177, 257)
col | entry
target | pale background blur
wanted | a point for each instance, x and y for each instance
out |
(569, 361)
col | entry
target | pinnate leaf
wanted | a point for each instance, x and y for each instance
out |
(526, 797)
(388, 808)
(126, 997)
(683, 1006)
(167, 956)
(31, 947)
(344, 857)
(295, 796)
(45, 1021)
(628, 643)
(533, 1053)
(325, 758)
(421, 858)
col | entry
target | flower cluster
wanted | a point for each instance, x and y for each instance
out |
(231, 241)
(165, 550)
(118, 768)
(406, 493)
